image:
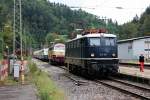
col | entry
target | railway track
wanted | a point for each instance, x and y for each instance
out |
(76, 81)
(128, 88)
(131, 84)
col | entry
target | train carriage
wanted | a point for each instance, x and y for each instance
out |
(94, 53)
(41, 54)
(56, 54)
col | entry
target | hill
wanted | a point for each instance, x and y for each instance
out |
(41, 17)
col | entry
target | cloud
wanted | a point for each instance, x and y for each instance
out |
(108, 8)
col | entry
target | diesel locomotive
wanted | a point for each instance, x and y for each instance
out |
(93, 53)
(56, 54)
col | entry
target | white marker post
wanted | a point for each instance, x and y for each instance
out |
(16, 71)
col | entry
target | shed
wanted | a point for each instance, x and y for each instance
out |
(132, 48)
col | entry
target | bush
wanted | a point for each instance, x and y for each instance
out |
(33, 67)
(1, 56)
(46, 88)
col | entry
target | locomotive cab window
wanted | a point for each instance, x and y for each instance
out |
(94, 41)
(109, 41)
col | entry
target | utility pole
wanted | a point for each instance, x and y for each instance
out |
(17, 39)
(20, 5)
(17, 26)
(105, 21)
(14, 29)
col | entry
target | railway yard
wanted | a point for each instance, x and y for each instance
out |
(123, 87)
(74, 50)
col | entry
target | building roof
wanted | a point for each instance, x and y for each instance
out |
(132, 39)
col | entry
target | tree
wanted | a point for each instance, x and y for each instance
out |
(50, 37)
(41, 17)
(128, 30)
(146, 25)
(54, 38)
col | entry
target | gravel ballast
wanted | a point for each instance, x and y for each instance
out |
(86, 91)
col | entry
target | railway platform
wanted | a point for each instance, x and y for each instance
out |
(134, 71)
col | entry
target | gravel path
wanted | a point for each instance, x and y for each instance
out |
(88, 91)
(18, 92)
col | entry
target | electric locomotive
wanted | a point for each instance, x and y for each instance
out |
(94, 54)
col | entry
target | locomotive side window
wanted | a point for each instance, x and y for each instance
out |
(94, 41)
(109, 41)
(70, 44)
(78, 43)
(75, 44)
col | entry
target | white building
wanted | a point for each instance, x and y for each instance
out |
(132, 48)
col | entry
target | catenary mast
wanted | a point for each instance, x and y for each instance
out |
(17, 38)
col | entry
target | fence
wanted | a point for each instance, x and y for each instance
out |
(3, 69)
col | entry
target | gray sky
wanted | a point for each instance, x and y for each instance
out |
(108, 8)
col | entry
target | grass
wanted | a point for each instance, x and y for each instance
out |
(8, 81)
(46, 88)
(1, 56)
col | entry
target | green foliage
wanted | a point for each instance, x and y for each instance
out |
(46, 88)
(137, 27)
(41, 18)
(146, 24)
(33, 67)
(9, 81)
(128, 30)
(1, 56)
(53, 37)
(1, 46)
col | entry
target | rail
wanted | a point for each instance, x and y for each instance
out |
(130, 84)
(124, 90)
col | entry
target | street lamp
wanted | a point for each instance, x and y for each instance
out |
(7, 51)
(8, 59)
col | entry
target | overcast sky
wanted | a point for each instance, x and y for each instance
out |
(108, 8)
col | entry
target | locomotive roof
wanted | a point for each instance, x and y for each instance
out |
(56, 44)
(94, 35)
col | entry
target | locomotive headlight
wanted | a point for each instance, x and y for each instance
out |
(92, 55)
(113, 54)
